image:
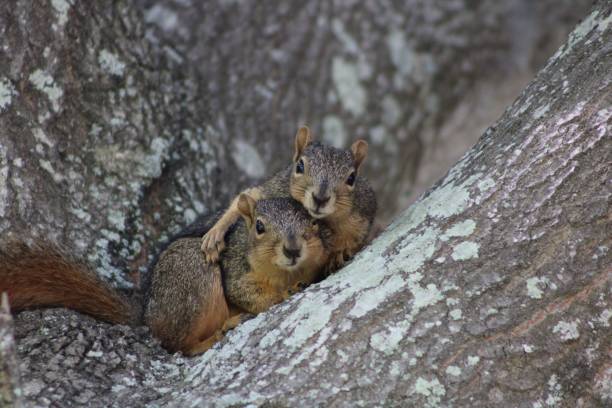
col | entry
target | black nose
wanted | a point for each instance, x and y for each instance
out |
(291, 253)
(320, 201)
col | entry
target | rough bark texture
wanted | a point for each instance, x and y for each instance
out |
(392, 72)
(11, 393)
(104, 144)
(494, 289)
(71, 359)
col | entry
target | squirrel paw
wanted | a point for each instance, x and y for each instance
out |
(235, 321)
(298, 287)
(336, 262)
(339, 260)
(213, 244)
(347, 255)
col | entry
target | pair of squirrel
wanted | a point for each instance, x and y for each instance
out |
(274, 239)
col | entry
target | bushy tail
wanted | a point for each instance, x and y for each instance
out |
(42, 275)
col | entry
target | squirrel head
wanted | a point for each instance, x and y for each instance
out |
(280, 232)
(323, 178)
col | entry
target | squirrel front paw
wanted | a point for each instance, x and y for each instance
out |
(336, 262)
(339, 260)
(298, 287)
(213, 244)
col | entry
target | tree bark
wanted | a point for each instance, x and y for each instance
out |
(105, 146)
(493, 289)
(126, 134)
(11, 393)
(390, 72)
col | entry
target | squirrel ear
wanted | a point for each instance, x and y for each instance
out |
(360, 152)
(246, 207)
(302, 138)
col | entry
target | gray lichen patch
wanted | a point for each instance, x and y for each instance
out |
(61, 8)
(465, 250)
(45, 83)
(7, 91)
(351, 92)
(432, 390)
(334, 132)
(248, 159)
(111, 63)
(461, 229)
(144, 162)
(567, 331)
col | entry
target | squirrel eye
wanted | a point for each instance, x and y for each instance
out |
(259, 227)
(351, 179)
(299, 167)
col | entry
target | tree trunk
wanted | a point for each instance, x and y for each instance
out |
(492, 290)
(125, 135)
(104, 141)
(390, 72)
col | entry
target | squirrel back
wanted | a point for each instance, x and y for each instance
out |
(42, 275)
(185, 301)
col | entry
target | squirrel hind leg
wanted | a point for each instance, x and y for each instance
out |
(199, 347)
(203, 345)
(207, 326)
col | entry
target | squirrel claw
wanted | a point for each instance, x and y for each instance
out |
(212, 245)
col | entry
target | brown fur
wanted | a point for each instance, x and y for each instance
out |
(42, 276)
(252, 269)
(186, 304)
(237, 317)
(187, 307)
(213, 242)
(262, 279)
(347, 238)
(350, 210)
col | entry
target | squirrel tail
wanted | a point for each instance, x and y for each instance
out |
(42, 276)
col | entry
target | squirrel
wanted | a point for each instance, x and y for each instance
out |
(326, 181)
(272, 252)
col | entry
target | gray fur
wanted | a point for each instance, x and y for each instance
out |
(180, 278)
(327, 164)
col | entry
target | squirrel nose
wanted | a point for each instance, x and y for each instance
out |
(320, 201)
(291, 253)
